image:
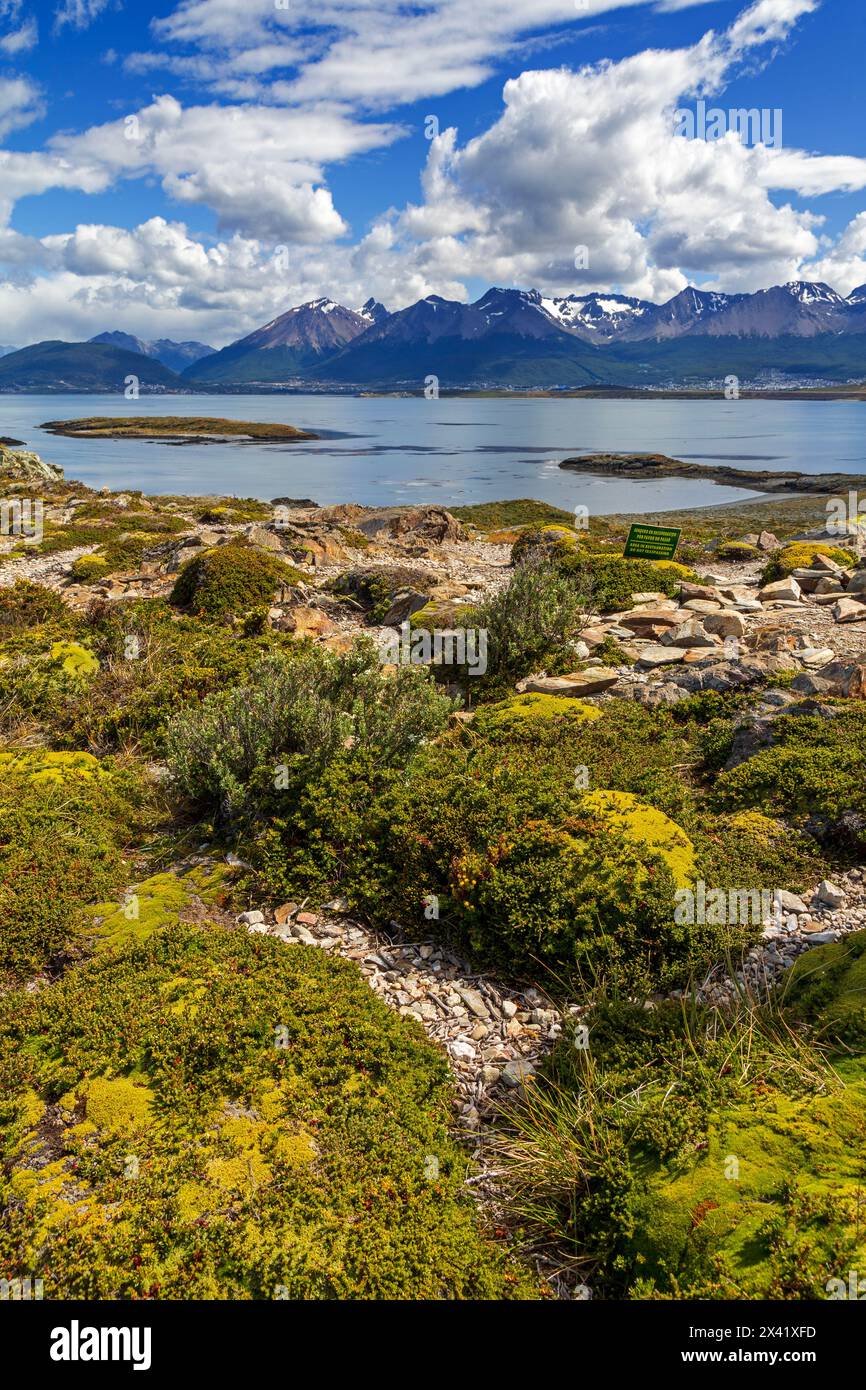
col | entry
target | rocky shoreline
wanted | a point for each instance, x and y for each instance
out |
(651, 467)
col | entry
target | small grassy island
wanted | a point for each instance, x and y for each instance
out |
(174, 428)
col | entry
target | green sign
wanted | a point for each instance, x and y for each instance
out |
(652, 542)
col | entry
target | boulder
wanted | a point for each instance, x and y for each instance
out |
(811, 683)
(783, 589)
(322, 548)
(640, 618)
(725, 624)
(701, 656)
(263, 538)
(703, 605)
(810, 580)
(768, 542)
(790, 902)
(656, 695)
(303, 621)
(774, 640)
(692, 633)
(849, 610)
(846, 678)
(828, 894)
(730, 675)
(814, 656)
(429, 523)
(705, 591)
(403, 605)
(574, 685)
(856, 582)
(656, 655)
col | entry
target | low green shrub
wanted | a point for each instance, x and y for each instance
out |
(738, 550)
(528, 873)
(827, 988)
(813, 772)
(28, 605)
(63, 822)
(608, 578)
(683, 1153)
(87, 568)
(229, 580)
(748, 849)
(211, 1115)
(531, 625)
(151, 664)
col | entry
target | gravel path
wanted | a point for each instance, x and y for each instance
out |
(494, 1034)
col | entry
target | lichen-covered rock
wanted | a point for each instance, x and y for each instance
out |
(22, 465)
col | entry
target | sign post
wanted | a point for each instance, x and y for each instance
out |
(652, 542)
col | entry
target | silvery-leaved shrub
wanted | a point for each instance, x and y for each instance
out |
(532, 623)
(299, 709)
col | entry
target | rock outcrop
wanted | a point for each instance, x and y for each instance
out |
(24, 466)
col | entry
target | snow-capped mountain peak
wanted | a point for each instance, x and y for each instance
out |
(597, 317)
(372, 311)
(813, 293)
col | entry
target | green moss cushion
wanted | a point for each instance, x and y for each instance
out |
(217, 1115)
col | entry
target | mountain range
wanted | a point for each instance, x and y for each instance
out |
(177, 356)
(518, 337)
(801, 331)
(300, 340)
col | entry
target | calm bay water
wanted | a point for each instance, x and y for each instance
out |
(382, 451)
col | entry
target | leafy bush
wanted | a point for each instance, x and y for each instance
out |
(738, 550)
(75, 660)
(300, 709)
(827, 987)
(232, 1118)
(523, 715)
(151, 664)
(813, 771)
(523, 511)
(229, 580)
(528, 874)
(531, 625)
(26, 605)
(609, 579)
(747, 848)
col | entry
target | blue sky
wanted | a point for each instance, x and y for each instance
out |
(194, 167)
